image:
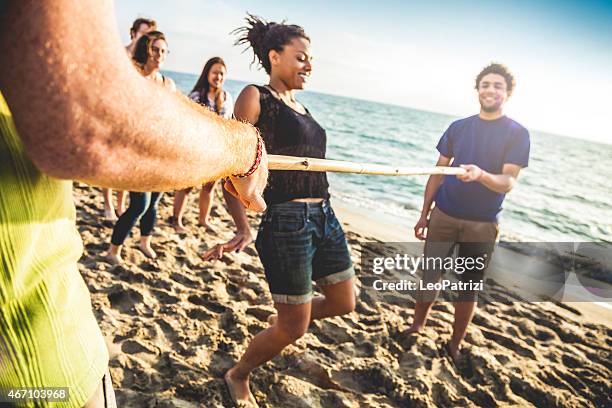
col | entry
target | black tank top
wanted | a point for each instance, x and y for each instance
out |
(290, 133)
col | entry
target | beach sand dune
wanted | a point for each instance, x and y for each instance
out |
(174, 325)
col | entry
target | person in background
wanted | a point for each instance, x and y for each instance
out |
(493, 149)
(300, 240)
(110, 213)
(149, 56)
(208, 91)
(140, 26)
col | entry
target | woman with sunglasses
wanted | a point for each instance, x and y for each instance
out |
(149, 56)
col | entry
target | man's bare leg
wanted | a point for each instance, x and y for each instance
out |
(421, 311)
(464, 312)
(424, 301)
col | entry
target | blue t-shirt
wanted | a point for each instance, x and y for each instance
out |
(489, 144)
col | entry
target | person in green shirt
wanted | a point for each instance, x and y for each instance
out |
(57, 125)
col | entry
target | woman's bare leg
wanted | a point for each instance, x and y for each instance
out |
(109, 208)
(180, 201)
(206, 201)
(292, 323)
(121, 202)
(114, 254)
(337, 300)
(145, 246)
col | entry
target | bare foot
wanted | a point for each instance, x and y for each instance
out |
(209, 228)
(272, 319)
(180, 228)
(412, 330)
(114, 259)
(148, 251)
(239, 390)
(109, 214)
(452, 350)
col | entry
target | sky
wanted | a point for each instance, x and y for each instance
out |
(423, 55)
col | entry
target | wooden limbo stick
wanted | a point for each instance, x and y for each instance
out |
(277, 162)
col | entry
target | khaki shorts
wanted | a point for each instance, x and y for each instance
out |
(471, 239)
(444, 228)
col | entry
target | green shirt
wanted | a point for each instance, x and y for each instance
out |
(49, 336)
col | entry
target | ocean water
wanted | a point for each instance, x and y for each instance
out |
(564, 194)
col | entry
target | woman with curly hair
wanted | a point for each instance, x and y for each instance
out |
(300, 239)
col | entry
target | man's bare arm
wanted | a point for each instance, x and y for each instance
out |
(84, 113)
(433, 184)
(500, 183)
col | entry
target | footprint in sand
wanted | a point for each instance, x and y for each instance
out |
(212, 306)
(515, 345)
(200, 313)
(164, 297)
(186, 280)
(137, 346)
(124, 298)
(331, 332)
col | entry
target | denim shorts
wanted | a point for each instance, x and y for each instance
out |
(299, 243)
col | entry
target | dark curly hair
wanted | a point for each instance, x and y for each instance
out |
(499, 69)
(263, 36)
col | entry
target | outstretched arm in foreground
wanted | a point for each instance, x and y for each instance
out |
(84, 113)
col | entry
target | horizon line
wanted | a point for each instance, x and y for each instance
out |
(409, 107)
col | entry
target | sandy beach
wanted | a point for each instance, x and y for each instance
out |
(174, 325)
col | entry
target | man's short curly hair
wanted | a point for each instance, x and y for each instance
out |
(499, 69)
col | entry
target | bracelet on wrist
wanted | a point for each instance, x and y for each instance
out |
(257, 162)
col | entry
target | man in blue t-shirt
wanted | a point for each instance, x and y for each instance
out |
(492, 148)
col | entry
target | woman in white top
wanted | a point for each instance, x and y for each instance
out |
(208, 91)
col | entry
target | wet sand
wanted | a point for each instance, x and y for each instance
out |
(174, 325)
